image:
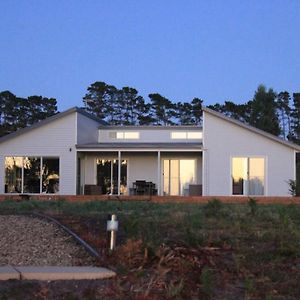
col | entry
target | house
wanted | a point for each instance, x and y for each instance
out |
(75, 153)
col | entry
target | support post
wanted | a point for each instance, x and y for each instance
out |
(119, 172)
(158, 173)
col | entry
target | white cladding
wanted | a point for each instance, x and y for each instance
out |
(87, 129)
(157, 135)
(224, 140)
(57, 138)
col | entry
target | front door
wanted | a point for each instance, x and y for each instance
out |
(178, 174)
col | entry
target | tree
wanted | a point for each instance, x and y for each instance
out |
(95, 100)
(295, 119)
(197, 110)
(19, 112)
(184, 113)
(284, 111)
(263, 111)
(132, 105)
(162, 109)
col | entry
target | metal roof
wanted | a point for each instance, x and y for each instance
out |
(251, 128)
(174, 146)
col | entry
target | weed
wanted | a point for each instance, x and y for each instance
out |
(213, 208)
(249, 287)
(207, 282)
(252, 203)
(174, 290)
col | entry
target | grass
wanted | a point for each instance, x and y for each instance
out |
(265, 239)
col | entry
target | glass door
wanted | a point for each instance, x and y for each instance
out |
(107, 176)
(178, 174)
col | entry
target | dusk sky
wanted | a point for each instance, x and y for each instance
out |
(214, 50)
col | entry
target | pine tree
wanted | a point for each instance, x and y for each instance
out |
(295, 119)
(263, 111)
(284, 111)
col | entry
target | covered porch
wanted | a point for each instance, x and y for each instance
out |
(139, 171)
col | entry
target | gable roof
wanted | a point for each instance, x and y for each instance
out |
(251, 128)
(49, 120)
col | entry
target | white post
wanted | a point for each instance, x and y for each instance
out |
(112, 226)
(158, 173)
(119, 172)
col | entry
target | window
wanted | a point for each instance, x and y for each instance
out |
(131, 135)
(178, 135)
(13, 174)
(183, 135)
(248, 175)
(194, 135)
(120, 135)
(50, 171)
(31, 175)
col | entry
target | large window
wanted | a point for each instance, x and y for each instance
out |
(33, 175)
(248, 176)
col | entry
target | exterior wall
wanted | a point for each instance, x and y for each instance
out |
(87, 130)
(147, 135)
(53, 139)
(223, 140)
(142, 166)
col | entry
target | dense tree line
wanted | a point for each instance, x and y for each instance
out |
(278, 114)
(126, 107)
(17, 112)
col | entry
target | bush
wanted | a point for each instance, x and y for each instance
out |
(213, 208)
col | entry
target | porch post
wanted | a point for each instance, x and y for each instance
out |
(119, 172)
(158, 173)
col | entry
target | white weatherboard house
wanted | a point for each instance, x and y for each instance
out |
(75, 153)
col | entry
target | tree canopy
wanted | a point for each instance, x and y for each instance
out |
(17, 112)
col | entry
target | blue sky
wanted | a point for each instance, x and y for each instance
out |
(214, 50)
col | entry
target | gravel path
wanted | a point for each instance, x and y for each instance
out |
(27, 240)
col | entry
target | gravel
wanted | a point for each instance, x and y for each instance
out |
(26, 240)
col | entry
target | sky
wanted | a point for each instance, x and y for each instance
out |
(213, 50)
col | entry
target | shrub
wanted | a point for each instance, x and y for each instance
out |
(213, 208)
(253, 206)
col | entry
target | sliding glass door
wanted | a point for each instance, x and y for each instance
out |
(177, 175)
(248, 176)
(107, 176)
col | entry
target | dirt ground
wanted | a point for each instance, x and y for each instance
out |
(222, 267)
